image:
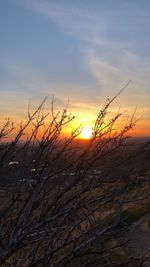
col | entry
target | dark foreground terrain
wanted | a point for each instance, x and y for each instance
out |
(65, 210)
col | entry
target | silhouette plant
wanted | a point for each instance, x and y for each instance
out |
(67, 199)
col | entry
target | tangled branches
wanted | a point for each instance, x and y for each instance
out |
(66, 200)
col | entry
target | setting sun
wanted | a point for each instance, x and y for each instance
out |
(86, 132)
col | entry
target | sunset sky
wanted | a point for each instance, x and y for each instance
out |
(84, 50)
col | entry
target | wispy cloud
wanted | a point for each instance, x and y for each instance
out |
(110, 56)
(128, 67)
(111, 59)
(77, 22)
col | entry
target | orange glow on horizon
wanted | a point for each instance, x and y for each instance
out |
(81, 121)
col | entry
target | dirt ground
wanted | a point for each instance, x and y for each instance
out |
(139, 235)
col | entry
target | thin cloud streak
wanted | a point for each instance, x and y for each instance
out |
(92, 27)
(110, 61)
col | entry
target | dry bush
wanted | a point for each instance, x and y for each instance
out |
(66, 201)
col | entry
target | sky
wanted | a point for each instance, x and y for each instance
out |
(82, 50)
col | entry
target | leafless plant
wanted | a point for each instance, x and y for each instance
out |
(67, 203)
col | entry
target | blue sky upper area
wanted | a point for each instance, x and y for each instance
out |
(82, 50)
